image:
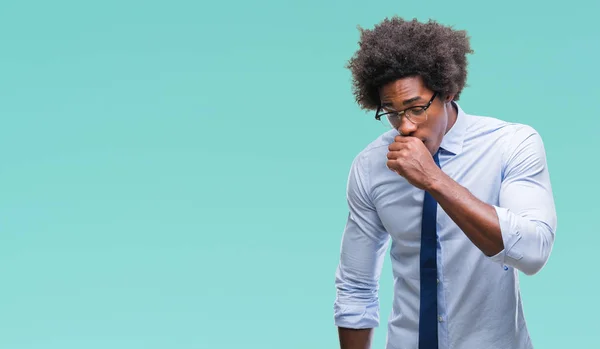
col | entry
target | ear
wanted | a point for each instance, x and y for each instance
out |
(449, 98)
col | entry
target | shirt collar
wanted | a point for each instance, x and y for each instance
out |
(454, 138)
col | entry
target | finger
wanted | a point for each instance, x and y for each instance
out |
(394, 155)
(398, 138)
(391, 164)
(403, 139)
(406, 139)
(396, 146)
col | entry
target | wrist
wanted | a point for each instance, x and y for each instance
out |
(436, 182)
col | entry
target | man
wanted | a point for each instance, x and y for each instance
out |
(465, 201)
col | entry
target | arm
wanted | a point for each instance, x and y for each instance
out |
(363, 246)
(519, 231)
(355, 338)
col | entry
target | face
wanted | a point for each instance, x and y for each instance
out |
(405, 93)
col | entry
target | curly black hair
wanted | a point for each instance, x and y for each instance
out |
(396, 48)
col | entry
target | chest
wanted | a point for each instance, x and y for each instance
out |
(400, 205)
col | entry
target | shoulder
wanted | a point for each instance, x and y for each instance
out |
(372, 157)
(374, 151)
(517, 144)
(501, 128)
(505, 134)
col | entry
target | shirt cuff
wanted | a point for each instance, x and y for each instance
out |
(357, 316)
(509, 229)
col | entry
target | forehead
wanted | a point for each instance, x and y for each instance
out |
(403, 89)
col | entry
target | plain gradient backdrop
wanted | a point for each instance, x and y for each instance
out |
(173, 172)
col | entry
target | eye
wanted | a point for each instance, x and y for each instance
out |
(391, 113)
(417, 111)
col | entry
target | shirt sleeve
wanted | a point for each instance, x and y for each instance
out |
(363, 246)
(526, 209)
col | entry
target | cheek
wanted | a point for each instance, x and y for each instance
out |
(436, 127)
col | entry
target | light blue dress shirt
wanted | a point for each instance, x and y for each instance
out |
(479, 302)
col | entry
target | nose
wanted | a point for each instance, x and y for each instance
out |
(406, 127)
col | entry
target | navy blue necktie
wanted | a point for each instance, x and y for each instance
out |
(428, 334)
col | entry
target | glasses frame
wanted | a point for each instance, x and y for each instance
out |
(398, 114)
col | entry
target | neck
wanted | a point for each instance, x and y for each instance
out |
(452, 113)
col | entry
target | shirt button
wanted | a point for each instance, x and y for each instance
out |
(440, 319)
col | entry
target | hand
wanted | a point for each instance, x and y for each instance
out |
(409, 158)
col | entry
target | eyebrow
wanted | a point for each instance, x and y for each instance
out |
(404, 102)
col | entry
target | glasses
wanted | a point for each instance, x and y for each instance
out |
(416, 115)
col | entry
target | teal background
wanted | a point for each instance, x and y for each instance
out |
(173, 173)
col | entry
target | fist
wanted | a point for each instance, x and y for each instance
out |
(409, 158)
